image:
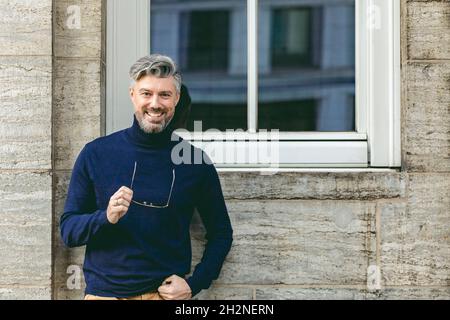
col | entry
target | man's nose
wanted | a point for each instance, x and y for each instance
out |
(154, 101)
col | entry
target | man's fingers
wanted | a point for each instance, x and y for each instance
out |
(119, 209)
(121, 202)
(165, 296)
(127, 197)
(123, 192)
(164, 289)
(126, 190)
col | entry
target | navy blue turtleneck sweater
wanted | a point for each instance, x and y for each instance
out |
(148, 244)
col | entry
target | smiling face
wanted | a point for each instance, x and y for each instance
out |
(154, 101)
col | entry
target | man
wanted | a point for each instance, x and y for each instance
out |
(131, 203)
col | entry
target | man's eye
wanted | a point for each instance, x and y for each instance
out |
(146, 94)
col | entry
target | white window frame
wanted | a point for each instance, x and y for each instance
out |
(376, 141)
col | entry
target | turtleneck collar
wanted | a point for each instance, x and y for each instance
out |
(150, 140)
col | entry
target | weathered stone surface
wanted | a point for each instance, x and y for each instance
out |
(67, 261)
(78, 38)
(25, 293)
(296, 242)
(26, 27)
(77, 108)
(428, 30)
(25, 113)
(292, 293)
(225, 293)
(62, 180)
(68, 280)
(64, 294)
(26, 258)
(427, 117)
(413, 293)
(25, 199)
(317, 185)
(415, 245)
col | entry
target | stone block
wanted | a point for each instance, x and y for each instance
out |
(225, 293)
(293, 293)
(411, 293)
(77, 108)
(312, 185)
(78, 28)
(25, 199)
(415, 245)
(26, 27)
(25, 293)
(25, 97)
(296, 242)
(428, 30)
(27, 255)
(427, 118)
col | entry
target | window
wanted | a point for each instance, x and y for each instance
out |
(291, 38)
(324, 73)
(206, 34)
(306, 83)
(207, 40)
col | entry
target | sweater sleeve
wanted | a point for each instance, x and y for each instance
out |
(81, 219)
(219, 234)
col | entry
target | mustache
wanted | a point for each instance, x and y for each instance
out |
(155, 109)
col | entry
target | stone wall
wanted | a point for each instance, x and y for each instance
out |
(25, 149)
(298, 235)
(78, 112)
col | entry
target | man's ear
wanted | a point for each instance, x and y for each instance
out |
(178, 98)
(131, 91)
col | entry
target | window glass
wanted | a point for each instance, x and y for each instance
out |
(306, 61)
(307, 66)
(208, 40)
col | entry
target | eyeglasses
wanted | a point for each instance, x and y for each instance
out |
(150, 204)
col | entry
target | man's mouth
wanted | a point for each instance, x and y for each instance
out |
(151, 115)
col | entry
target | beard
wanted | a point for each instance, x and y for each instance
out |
(150, 127)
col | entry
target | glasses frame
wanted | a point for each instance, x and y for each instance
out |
(151, 205)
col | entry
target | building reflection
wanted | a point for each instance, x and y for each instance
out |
(306, 59)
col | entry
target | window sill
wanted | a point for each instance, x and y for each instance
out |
(269, 171)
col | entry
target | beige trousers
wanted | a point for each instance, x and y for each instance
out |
(145, 296)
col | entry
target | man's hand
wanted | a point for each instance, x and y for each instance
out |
(175, 288)
(118, 204)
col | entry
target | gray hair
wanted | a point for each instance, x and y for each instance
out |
(156, 65)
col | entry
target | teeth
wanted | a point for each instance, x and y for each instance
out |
(154, 114)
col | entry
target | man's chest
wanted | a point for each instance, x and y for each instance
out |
(155, 182)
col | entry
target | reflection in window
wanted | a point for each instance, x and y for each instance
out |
(291, 37)
(309, 73)
(206, 45)
(208, 41)
(306, 61)
(219, 116)
(288, 116)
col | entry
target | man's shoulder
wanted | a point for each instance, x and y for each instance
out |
(104, 142)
